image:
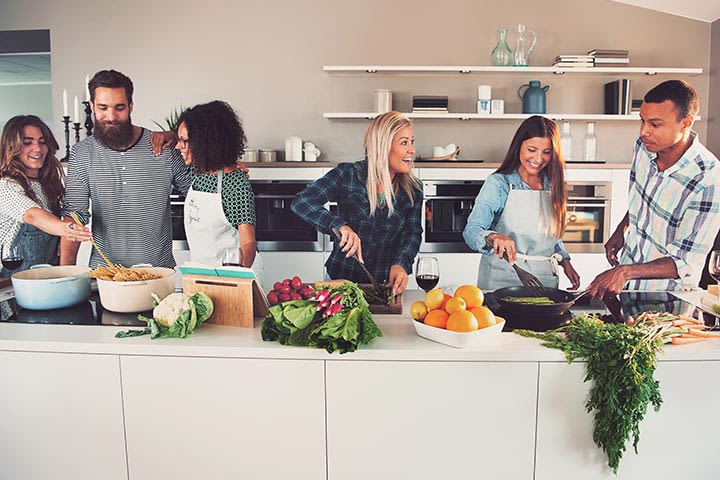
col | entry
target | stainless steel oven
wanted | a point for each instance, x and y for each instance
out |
(448, 204)
(278, 228)
(177, 216)
(587, 222)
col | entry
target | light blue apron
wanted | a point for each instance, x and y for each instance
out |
(35, 247)
(527, 219)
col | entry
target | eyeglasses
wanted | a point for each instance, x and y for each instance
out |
(183, 142)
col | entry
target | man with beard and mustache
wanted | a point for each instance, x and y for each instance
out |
(115, 173)
(674, 203)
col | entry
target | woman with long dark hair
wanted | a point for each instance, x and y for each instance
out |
(31, 193)
(520, 211)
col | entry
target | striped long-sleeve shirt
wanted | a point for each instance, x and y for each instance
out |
(674, 213)
(386, 240)
(130, 194)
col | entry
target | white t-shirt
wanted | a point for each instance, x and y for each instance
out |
(13, 205)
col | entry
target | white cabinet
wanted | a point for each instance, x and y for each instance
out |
(430, 420)
(685, 428)
(587, 265)
(61, 417)
(192, 418)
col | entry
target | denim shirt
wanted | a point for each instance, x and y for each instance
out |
(489, 206)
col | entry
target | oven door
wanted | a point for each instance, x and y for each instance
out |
(587, 225)
(447, 207)
(177, 217)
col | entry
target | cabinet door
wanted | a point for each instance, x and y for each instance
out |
(192, 418)
(61, 417)
(681, 437)
(430, 420)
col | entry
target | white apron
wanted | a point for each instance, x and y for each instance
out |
(208, 231)
(526, 218)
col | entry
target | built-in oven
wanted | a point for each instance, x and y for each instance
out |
(278, 228)
(177, 217)
(587, 222)
(448, 204)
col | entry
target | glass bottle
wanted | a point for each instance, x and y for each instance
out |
(590, 143)
(566, 142)
(501, 54)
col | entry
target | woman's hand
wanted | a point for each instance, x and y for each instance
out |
(350, 243)
(76, 233)
(503, 244)
(398, 279)
(571, 274)
(159, 141)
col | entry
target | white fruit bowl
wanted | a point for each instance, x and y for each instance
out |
(459, 339)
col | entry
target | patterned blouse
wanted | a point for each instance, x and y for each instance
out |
(238, 199)
(13, 205)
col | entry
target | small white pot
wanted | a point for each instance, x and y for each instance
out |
(134, 297)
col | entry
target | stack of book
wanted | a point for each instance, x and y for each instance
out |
(430, 103)
(618, 97)
(610, 58)
(572, 61)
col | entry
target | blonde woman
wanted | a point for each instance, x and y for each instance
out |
(520, 211)
(31, 193)
(379, 204)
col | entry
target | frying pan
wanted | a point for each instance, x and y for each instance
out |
(563, 301)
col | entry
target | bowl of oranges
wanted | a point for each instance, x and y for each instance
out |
(459, 320)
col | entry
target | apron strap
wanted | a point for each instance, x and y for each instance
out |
(554, 260)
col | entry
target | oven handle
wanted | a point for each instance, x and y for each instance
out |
(449, 197)
(595, 199)
(602, 205)
(274, 197)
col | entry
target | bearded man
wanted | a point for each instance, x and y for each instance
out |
(115, 173)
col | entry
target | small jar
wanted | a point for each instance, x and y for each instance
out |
(250, 155)
(267, 155)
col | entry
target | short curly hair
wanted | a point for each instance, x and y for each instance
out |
(215, 135)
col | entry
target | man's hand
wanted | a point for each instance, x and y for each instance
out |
(398, 279)
(610, 282)
(613, 246)
(159, 141)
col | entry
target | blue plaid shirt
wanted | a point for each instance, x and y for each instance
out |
(675, 214)
(386, 241)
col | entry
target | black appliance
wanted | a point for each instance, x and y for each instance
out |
(278, 228)
(177, 216)
(448, 204)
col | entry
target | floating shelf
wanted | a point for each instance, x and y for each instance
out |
(482, 116)
(490, 69)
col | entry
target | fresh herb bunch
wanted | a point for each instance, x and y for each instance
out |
(621, 361)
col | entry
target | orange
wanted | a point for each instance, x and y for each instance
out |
(418, 310)
(462, 321)
(472, 295)
(455, 304)
(446, 297)
(434, 298)
(484, 316)
(436, 318)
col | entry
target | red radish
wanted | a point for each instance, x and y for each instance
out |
(284, 297)
(287, 281)
(285, 289)
(296, 283)
(277, 285)
(295, 296)
(273, 298)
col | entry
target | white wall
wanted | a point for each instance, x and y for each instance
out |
(266, 58)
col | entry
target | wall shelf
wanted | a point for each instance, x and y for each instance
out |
(521, 70)
(479, 116)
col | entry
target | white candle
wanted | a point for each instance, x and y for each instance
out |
(87, 88)
(76, 118)
(65, 111)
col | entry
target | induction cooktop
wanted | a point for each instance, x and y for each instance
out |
(89, 312)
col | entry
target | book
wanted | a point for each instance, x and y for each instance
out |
(608, 52)
(612, 61)
(573, 58)
(618, 97)
(573, 64)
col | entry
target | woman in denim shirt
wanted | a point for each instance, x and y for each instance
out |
(520, 211)
(379, 204)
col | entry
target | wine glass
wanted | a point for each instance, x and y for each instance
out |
(232, 257)
(11, 258)
(427, 273)
(714, 266)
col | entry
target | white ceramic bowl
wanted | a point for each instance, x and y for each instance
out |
(134, 297)
(459, 339)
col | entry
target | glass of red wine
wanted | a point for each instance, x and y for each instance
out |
(714, 265)
(11, 258)
(232, 257)
(427, 273)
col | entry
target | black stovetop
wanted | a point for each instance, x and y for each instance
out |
(89, 312)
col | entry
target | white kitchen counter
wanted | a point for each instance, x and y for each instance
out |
(80, 404)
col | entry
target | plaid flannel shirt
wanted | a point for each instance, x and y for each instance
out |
(386, 241)
(675, 214)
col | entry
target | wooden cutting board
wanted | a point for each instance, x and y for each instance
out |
(237, 300)
(395, 307)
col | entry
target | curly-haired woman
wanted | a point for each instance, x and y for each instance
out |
(31, 193)
(220, 205)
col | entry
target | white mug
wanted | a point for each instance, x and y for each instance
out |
(497, 106)
(293, 149)
(311, 152)
(483, 106)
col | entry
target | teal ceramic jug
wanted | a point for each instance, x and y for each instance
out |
(533, 99)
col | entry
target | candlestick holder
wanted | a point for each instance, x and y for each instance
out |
(76, 127)
(88, 119)
(66, 121)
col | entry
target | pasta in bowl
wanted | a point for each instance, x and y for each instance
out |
(128, 290)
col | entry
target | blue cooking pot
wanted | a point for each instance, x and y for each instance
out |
(47, 288)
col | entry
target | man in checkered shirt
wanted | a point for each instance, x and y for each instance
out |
(674, 204)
